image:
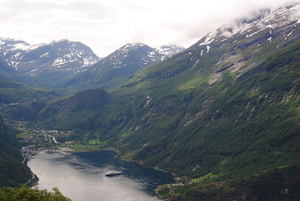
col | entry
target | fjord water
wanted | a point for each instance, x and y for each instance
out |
(81, 176)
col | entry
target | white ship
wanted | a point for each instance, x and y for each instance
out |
(113, 173)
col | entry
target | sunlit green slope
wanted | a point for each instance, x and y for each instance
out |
(228, 105)
(221, 114)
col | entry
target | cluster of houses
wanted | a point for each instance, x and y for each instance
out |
(44, 140)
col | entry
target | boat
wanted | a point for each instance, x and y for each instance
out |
(113, 173)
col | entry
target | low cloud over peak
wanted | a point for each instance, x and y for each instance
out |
(107, 25)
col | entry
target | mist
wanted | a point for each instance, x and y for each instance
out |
(107, 25)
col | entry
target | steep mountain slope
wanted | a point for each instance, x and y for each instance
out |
(225, 108)
(76, 112)
(13, 172)
(120, 65)
(8, 74)
(227, 105)
(47, 61)
(18, 101)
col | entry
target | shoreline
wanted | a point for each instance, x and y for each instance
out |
(117, 156)
(140, 163)
(97, 150)
(120, 158)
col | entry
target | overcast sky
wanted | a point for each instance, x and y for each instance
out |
(105, 25)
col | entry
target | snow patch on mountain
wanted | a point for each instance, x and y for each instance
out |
(143, 52)
(265, 20)
(268, 19)
(59, 55)
(169, 50)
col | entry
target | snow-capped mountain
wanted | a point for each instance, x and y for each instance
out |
(278, 27)
(169, 50)
(145, 53)
(62, 55)
(260, 29)
(121, 64)
(123, 56)
(57, 60)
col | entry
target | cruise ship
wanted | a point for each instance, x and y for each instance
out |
(113, 173)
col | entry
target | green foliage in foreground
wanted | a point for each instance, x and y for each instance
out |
(26, 193)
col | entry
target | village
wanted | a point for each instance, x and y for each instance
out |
(44, 140)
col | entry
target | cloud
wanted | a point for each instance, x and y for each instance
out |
(108, 25)
(226, 12)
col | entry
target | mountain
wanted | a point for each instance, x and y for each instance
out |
(62, 64)
(48, 62)
(89, 103)
(7, 73)
(62, 55)
(121, 64)
(18, 101)
(13, 172)
(225, 109)
(169, 50)
(228, 101)
(22, 103)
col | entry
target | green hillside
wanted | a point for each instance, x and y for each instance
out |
(197, 119)
(223, 115)
(12, 171)
(222, 110)
(23, 103)
(10, 75)
(18, 101)
(115, 68)
(75, 112)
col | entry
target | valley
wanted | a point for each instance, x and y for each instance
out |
(221, 115)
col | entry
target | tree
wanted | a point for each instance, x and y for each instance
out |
(26, 193)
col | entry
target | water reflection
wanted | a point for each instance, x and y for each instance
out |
(81, 176)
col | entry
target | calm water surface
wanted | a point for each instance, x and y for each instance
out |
(81, 176)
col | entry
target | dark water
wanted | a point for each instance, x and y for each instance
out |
(81, 176)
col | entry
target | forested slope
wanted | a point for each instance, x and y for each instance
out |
(226, 106)
(12, 171)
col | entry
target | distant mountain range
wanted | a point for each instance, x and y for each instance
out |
(52, 64)
(120, 65)
(62, 55)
